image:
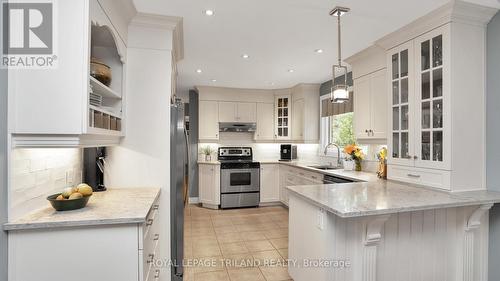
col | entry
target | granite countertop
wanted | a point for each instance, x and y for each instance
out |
(209, 162)
(350, 175)
(114, 206)
(386, 197)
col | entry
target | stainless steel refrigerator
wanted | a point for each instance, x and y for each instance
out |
(179, 159)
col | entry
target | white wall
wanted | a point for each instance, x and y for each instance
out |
(143, 157)
(39, 172)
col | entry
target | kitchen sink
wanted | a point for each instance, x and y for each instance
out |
(324, 167)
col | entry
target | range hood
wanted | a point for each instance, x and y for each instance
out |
(237, 127)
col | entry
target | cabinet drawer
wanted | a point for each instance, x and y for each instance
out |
(428, 177)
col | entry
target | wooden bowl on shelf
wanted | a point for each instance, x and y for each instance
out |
(100, 71)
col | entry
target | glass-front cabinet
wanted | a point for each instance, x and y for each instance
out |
(419, 92)
(432, 88)
(401, 85)
(283, 112)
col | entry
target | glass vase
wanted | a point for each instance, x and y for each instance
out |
(358, 165)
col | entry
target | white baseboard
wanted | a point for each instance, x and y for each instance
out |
(194, 200)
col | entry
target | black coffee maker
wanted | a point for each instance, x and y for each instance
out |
(94, 159)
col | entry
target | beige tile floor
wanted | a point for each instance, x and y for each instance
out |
(236, 245)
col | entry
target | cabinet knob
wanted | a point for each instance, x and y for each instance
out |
(157, 274)
(157, 237)
(415, 157)
(149, 222)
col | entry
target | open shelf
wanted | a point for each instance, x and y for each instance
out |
(96, 108)
(103, 90)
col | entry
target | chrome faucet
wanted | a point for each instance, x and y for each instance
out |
(339, 160)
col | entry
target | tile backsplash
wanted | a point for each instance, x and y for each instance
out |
(37, 173)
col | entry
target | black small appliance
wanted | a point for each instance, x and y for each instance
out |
(288, 152)
(93, 167)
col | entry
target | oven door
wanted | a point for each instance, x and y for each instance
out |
(240, 180)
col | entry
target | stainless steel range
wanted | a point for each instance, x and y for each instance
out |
(239, 178)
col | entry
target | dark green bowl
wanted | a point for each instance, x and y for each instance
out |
(68, 205)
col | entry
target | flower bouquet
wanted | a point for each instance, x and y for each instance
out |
(355, 153)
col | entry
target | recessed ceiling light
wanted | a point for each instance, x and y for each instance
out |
(291, 70)
(245, 56)
(209, 12)
(198, 71)
(318, 51)
(214, 80)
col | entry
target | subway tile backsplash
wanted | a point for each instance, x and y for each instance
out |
(37, 173)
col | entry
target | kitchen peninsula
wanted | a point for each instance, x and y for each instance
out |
(388, 231)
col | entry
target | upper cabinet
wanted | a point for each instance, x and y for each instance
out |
(265, 128)
(282, 120)
(437, 98)
(81, 101)
(245, 112)
(370, 90)
(280, 115)
(305, 113)
(208, 120)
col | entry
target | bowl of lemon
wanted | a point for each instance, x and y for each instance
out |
(72, 198)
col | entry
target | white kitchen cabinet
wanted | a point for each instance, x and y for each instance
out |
(298, 119)
(123, 252)
(432, 141)
(59, 113)
(370, 93)
(265, 127)
(269, 183)
(208, 120)
(305, 113)
(282, 117)
(209, 185)
(370, 106)
(291, 176)
(245, 112)
(227, 111)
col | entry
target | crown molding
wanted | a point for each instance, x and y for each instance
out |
(172, 23)
(454, 11)
(373, 50)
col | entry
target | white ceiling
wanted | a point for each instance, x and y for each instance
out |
(278, 35)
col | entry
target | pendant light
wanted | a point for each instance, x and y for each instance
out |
(339, 92)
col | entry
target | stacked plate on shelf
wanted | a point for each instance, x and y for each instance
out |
(95, 99)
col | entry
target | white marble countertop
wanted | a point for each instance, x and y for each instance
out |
(209, 162)
(114, 206)
(386, 197)
(350, 175)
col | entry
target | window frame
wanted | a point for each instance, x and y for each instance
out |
(324, 133)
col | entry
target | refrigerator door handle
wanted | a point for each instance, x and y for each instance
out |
(186, 176)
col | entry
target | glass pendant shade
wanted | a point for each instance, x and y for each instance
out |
(340, 94)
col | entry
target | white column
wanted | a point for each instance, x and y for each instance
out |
(372, 239)
(473, 223)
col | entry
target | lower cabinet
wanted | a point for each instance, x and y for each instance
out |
(209, 185)
(269, 183)
(124, 252)
(291, 176)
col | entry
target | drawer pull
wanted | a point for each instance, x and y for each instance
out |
(314, 177)
(151, 258)
(156, 207)
(157, 274)
(413, 176)
(149, 222)
(157, 237)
